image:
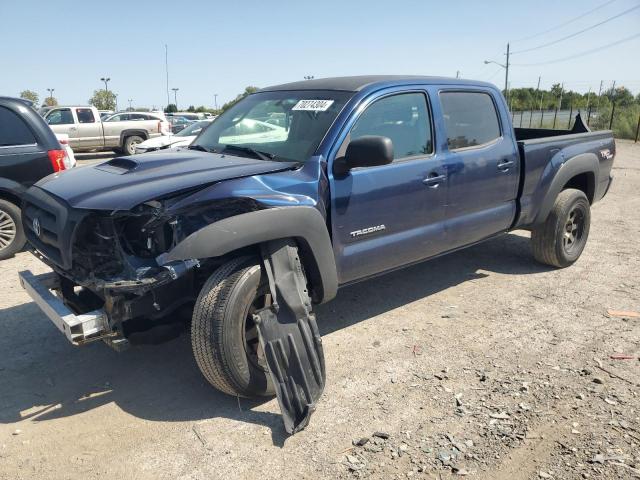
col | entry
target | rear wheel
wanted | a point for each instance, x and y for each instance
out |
(560, 240)
(223, 335)
(12, 237)
(130, 144)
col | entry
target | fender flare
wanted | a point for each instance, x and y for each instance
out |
(10, 190)
(304, 224)
(583, 163)
(132, 131)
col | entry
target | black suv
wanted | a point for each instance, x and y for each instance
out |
(29, 151)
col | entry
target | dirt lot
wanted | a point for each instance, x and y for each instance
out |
(480, 363)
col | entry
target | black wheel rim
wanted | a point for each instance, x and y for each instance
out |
(251, 342)
(573, 234)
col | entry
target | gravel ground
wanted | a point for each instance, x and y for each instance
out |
(480, 363)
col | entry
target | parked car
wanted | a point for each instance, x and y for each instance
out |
(63, 138)
(120, 132)
(375, 173)
(29, 151)
(193, 116)
(180, 139)
(105, 113)
(178, 123)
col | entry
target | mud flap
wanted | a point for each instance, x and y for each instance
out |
(289, 336)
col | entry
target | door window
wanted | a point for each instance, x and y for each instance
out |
(470, 119)
(404, 118)
(62, 116)
(85, 115)
(13, 130)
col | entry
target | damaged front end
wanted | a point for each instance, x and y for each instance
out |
(107, 262)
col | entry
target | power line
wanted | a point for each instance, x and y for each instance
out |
(578, 32)
(581, 54)
(566, 23)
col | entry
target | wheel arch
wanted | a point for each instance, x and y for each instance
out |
(303, 224)
(141, 132)
(579, 172)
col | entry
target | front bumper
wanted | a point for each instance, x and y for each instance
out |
(78, 328)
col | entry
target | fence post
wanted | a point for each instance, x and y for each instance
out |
(555, 115)
(637, 128)
(613, 110)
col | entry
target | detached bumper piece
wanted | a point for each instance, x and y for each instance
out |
(78, 328)
(290, 338)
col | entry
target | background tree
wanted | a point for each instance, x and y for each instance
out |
(30, 95)
(103, 100)
(171, 108)
(231, 103)
(50, 102)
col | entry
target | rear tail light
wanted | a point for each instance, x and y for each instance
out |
(57, 157)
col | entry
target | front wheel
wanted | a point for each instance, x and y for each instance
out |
(224, 337)
(560, 240)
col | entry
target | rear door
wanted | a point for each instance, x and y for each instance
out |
(62, 120)
(89, 128)
(22, 158)
(482, 166)
(387, 216)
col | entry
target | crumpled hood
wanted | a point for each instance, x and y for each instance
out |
(124, 182)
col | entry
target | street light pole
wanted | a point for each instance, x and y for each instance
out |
(130, 100)
(51, 90)
(506, 74)
(215, 100)
(175, 97)
(106, 81)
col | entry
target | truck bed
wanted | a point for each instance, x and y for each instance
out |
(544, 151)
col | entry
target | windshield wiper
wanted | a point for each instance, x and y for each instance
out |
(252, 151)
(202, 149)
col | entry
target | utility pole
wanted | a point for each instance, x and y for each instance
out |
(506, 76)
(598, 103)
(175, 97)
(458, 74)
(166, 68)
(534, 102)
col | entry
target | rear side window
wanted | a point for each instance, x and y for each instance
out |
(85, 115)
(13, 130)
(404, 118)
(470, 119)
(62, 116)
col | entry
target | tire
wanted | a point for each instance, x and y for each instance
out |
(12, 237)
(222, 333)
(130, 144)
(560, 240)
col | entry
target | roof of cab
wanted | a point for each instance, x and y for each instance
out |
(358, 83)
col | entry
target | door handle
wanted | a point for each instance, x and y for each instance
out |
(433, 180)
(504, 165)
(72, 129)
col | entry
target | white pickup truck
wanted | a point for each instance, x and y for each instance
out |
(120, 132)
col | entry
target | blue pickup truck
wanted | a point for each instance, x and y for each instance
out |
(290, 194)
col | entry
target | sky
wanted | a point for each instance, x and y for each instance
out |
(222, 47)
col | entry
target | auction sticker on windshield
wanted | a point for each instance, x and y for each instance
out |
(313, 105)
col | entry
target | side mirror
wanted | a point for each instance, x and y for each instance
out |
(366, 151)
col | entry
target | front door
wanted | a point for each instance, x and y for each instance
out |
(387, 216)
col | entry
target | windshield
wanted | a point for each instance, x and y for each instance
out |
(193, 129)
(286, 125)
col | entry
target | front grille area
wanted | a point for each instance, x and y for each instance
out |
(49, 224)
